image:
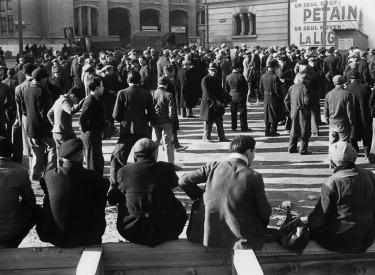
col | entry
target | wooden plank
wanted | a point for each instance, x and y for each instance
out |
(245, 263)
(33, 258)
(50, 271)
(175, 254)
(91, 262)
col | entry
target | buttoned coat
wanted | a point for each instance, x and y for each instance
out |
(186, 82)
(233, 205)
(236, 86)
(273, 98)
(298, 102)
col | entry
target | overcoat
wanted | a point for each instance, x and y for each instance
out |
(298, 103)
(273, 98)
(186, 81)
(362, 128)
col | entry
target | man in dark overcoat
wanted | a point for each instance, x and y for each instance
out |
(161, 63)
(236, 86)
(273, 99)
(362, 128)
(186, 82)
(298, 102)
(148, 212)
(330, 68)
(213, 105)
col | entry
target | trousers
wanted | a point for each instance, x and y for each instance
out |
(164, 131)
(92, 142)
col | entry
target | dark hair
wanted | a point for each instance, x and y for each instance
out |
(134, 77)
(143, 57)
(75, 91)
(95, 83)
(242, 143)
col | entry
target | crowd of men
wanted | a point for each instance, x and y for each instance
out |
(148, 94)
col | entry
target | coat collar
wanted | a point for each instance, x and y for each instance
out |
(238, 157)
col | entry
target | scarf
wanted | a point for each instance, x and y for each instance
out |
(346, 165)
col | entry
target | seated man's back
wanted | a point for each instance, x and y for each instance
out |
(149, 213)
(74, 202)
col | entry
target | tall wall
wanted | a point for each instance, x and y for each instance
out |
(271, 22)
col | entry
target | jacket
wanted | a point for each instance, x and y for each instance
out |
(338, 107)
(130, 110)
(92, 116)
(233, 207)
(344, 214)
(236, 86)
(164, 106)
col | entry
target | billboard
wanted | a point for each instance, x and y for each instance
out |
(306, 20)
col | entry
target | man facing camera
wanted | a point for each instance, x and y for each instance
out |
(233, 211)
(343, 218)
(74, 201)
(17, 217)
(148, 212)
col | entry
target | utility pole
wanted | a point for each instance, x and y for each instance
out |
(324, 35)
(20, 38)
(206, 20)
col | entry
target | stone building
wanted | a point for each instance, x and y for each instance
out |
(114, 22)
(254, 22)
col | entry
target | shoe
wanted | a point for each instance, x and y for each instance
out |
(177, 168)
(274, 134)
(246, 130)
(180, 148)
(281, 123)
(292, 151)
(267, 134)
(224, 139)
(314, 134)
(305, 153)
(191, 116)
(207, 140)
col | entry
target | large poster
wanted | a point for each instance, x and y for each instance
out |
(306, 20)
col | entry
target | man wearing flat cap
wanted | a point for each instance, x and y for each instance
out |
(298, 102)
(148, 212)
(213, 104)
(343, 218)
(339, 111)
(38, 128)
(74, 201)
(17, 216)
(362, 128)
(273, 99)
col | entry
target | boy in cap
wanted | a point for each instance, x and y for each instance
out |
(74, 201)
(343, 218)
(339, 111)
(148, 212)
(17, 217)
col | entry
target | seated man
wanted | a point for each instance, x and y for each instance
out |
(74, 201)
(233, 211)
(17, 217)
(343, 218)
(148, 211)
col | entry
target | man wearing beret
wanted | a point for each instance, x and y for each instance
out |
(38, 128)
(343, 218)
(339, 111)
(270, 86)
(74, 201)
(148, 212)
(362, 128)
(298, 102)
(17, 217)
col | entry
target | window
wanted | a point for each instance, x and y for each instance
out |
(244, 23)
(10, 23)
(2, 5)
(94, 21)
(3, 25)
(9, 5)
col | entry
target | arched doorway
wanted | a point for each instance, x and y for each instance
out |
(150, 20)
(119, 23)
(178, 22)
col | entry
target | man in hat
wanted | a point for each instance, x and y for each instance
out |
(134, 110)
(38, 128)
(12, 83)
(233, 210)
(162, 62)
(339, 111)
(187, 94)
(149, 214)
(74, 201)
(363, 69)
(362, 128)
(165, 113)
(6, 103)
(213, 104)
(236, 86)
(298, 102)
(92, 123)
(56, 79)
(111, 88)
(17, 217)
(343, 218)
(330, 69)
(372, 64)
(145, 73)
(273, 99)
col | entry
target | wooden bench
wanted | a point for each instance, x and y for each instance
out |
(181, 257)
